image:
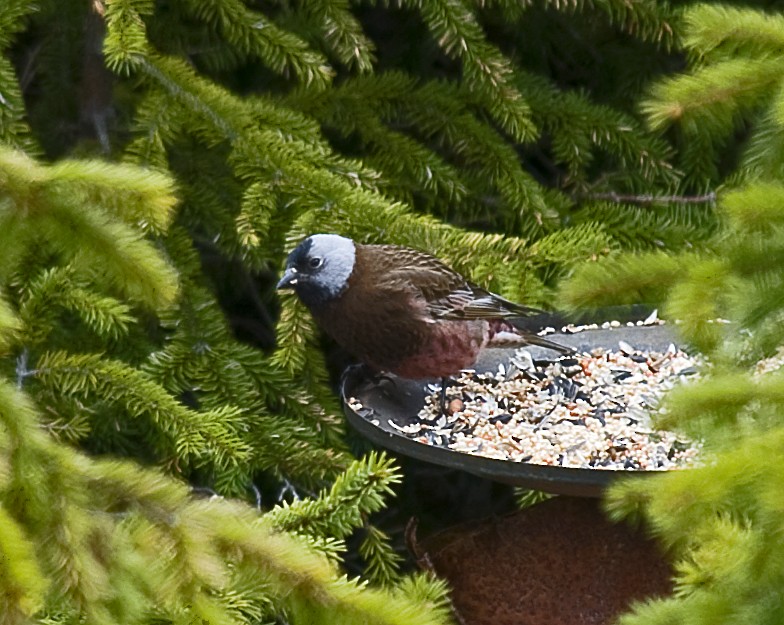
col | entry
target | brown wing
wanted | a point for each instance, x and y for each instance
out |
(447, 294)
(486, 305)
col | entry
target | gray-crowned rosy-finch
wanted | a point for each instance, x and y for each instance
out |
(402, 311)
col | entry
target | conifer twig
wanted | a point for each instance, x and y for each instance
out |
(645, 198)
(21, 368)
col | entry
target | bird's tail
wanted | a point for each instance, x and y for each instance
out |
(506, 334)
(540, 341)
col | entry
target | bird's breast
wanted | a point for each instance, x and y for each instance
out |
(391, 335)
(448, 347)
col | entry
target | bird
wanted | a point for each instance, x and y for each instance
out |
(402, 311)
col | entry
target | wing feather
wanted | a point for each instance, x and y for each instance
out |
(446, 294)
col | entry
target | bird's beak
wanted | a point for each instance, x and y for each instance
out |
(289, 279)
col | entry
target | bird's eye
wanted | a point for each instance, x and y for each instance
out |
(315, 262)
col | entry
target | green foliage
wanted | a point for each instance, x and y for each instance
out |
(486, 72)
(355, 494)
(14, 129)
(158, 160)
(627, 279)
(723, 521)
(100, 543)
(736, 77)
(526, 498)
(73, 331)
(62, 210)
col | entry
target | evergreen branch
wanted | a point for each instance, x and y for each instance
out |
(326, 595)
(623, 279)
(247, 598)
(709, 104)
(698, 308)
(294, 333)
(125, 44)
(258, 152)
(14, 129)
(124, 573)
(282, 395)
(699, 155)
(722, 518)
(273, 113)
(439, 110)
(289, 444)
(212, 197)
(200, 97)
(341, 31)
(365, 106)
(143, 198)
(304, 580)
(577, 125)
(383, 94)
(639, 227)
(10, 324)
(714, 32)
(569, 246)
(436, 109)
(755, 208)
(714, 95)
(412, 165)
(255, 35)
(705, 198)
(33, 496)
(355, 494)
(106, 316)
(760, 305)
(83, 232)
(65, 419)
(734, 486)
(487, 72)
(721, 401)
(428, 590)
(111, 250)
(382, 562)
(285, 428)
(211, 436)
(23, 585)
(12, 19)
(763, 157)
(252, 223)
(646, 19)
(204, 354)
(224, 117)
(58, 287)
(156, 124)
(753, 256)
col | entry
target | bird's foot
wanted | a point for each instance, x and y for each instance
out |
(369, 374)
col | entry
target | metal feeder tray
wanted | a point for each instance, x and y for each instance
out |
(399, 400)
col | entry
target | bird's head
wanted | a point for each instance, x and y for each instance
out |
(319, 268)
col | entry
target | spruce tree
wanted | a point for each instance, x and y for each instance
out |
(147, 149)
(723, 522)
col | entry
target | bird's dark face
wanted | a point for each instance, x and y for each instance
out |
(319, 268)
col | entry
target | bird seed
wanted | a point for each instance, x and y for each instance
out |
(589, 410)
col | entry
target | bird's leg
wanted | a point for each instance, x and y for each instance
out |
(371, 375)
(443, 395)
